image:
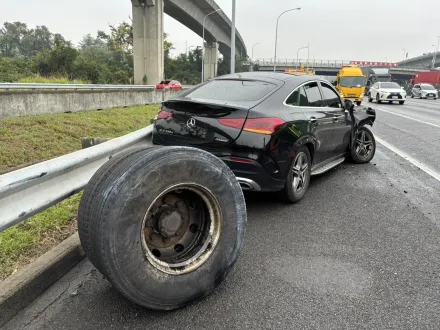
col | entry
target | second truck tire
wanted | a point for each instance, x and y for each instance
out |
(164, 225)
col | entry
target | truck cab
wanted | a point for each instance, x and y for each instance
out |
(350, 83)
(377, 75)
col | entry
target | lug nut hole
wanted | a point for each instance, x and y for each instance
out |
(194, 228)
(178, 248)
(156, 253)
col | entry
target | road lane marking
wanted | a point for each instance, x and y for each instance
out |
(407, 157)
(420, 121)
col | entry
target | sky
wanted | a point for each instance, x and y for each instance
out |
(373, 30)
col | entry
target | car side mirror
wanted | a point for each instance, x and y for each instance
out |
(348, 105)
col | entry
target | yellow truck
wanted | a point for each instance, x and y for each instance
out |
(350, 83)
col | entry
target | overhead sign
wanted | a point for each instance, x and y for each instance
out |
(366, 63)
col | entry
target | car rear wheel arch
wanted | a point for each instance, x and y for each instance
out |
(304, 143)
(311, 148)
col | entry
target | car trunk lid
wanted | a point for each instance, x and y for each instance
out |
(198, 123)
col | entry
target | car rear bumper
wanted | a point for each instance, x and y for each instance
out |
(253, 176)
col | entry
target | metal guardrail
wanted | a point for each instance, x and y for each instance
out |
(17, 86)
(28, 191)
(324, 64)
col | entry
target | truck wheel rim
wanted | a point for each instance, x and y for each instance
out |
(181, 228)
(364, 144)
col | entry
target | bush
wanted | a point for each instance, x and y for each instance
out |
(16, 68)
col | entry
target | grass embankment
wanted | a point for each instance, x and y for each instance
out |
(32, 139)
(37, 79)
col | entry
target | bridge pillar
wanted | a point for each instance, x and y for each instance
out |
(211, 60)
(148, 52)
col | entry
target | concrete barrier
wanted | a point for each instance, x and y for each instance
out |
(14, 104)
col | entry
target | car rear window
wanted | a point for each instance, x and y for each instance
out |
(232, 90)
(165, 82)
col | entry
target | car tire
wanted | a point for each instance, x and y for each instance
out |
(370, 99)
(378, 101)
(358, 103)
(186, 194)
(412, 96)
(401, 102)
(361, 153)
(299, 173)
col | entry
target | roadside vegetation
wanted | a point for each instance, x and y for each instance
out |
(28, 140)
(37, 55)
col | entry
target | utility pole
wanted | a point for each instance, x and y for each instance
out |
(233, 38)
(435, 53)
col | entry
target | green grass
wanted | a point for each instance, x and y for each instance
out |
(32, 139)
(37, 79)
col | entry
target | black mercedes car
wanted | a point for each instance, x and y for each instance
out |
(274, 130)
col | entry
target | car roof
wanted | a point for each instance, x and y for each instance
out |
(290, 78)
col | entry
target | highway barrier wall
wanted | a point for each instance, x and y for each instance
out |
(22, 103)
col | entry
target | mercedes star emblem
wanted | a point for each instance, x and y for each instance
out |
(191, 122)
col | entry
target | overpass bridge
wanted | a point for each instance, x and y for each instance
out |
(424, 61)
(331, 67)
(148, 34)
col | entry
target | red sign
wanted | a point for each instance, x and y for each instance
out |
(367, 63)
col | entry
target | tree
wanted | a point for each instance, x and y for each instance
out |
(11, 36)
(58, 61)
(89, 41)
(17, 40)
(120, 38)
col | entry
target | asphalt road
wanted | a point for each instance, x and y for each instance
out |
(360, 251)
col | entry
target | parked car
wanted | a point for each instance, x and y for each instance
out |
(169, 84)
(424, 91)
(274, 130)
(387, 91)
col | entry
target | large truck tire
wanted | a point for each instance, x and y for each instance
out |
(164, 225)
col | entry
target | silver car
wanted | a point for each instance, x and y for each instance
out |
(424, 91)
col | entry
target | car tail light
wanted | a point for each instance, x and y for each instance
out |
(263, 125)
(255, 125)
(234, 123)
(162, 114)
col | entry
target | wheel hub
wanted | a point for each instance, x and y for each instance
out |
(170, 223)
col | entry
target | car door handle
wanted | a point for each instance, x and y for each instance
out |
(335, 118)
(313, 119)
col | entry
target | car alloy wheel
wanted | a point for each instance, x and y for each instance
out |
(364, 144)
(299, 170)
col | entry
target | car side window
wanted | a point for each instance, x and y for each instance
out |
(330, 97)
(293, 99)
(313, 95)
(303, 101)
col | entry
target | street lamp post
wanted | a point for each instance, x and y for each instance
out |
(276, 37)
(297, 55)
(203, 44)
(253, 50)
(233, 38)
(435, 53)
